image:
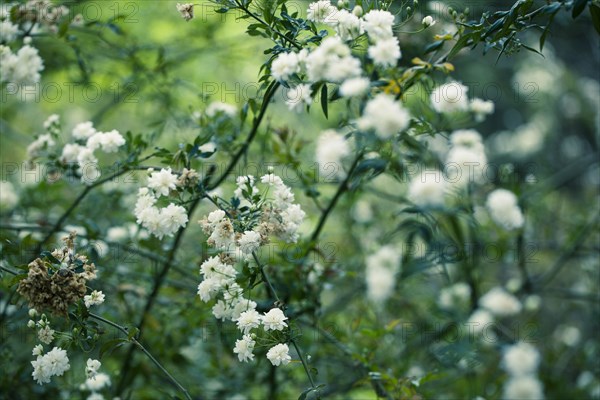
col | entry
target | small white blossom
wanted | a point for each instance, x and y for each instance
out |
(217, 107)
(523, 388)
(8, 196)
(385, 116)
(93, 299)
(321, 11)
(248, 320)
(521, 359)
(378, 24)
(428, 189)
(504, 209)
(481, 108)
(450, 97)
(83, 131)
(274, 320)
(332, 147)
(53, 363)
(92, 367)
(46, 334)
(38, 350)
(162, 182)
(186, 10)
(500, 303)
(355, 87)
(99, 382)
(279, 354)
(382, 267)
(385, 52)
(244, 347)
(284, 66)
(249, 242)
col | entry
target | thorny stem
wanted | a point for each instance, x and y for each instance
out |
(145, 351)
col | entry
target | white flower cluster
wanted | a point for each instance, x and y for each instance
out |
(22, 67)
(504, 209)
(521, 362)
(219, 282)
(45, 332)
(275, 215)
(381, 271)
(53, 363)
(466, 161)
(80, 152)
(160, 221)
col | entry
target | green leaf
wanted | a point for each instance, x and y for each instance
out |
(47, 255)
(434, 46)
(324, 100)
(16, 279)
(110, 346)
(578, 7)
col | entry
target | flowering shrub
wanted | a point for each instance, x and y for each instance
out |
(364, 220)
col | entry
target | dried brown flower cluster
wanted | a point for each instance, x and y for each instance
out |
(55, 288)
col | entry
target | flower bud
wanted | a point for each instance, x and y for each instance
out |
(31, 324)
(357, 11)
(428, 21)
(33, 313)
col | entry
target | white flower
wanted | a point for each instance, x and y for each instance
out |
(111, 141)
(428, 21)
(216, 216)
(355, 87)
(94, 142)
(8, 196)
(71, 152)
(523, 388)
(92, 367)
(248, 320)
(348, 26)
(41, 143)
(382, 267)
(249, 242)
(83, 131)
(428, 189)
(274, 320)
(99, 382)
(468, 138)
(244, 347)
(480, 320)
(464, 165)
(500, 303)
(162, 182)
(186, 10)
(450, 97)
(8, 31)
(208, 288)
(521, 359)
(504, 209)
(172, 218)
(46, 334)
(96, 396)
(454, 296)
(298, 96)
(332, 147)
(38, 350)
(385, 52)
(385, 116)
(86, 157)
(221, 311)
(279, 354)
(378, 24)
(284, 66)
(93, 299)
(53, 363)
(481, 108)
(321, 11)
(217, 107)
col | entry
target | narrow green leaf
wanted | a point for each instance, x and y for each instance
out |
(595, 11)
(578, 7)
(324, 101)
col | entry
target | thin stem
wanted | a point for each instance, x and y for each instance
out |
(145, 351)
(312, 383)
(256, 123)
